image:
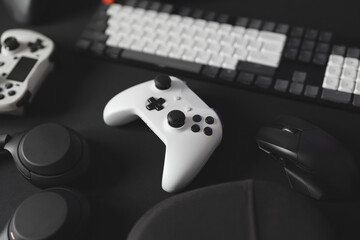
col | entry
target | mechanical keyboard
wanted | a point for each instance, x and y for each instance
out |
(290, 61)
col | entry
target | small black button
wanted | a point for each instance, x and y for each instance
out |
(8, 85)
(176, 118)
(281, 85)
(162, 82)
(210, 71)
(154, 103)
(196, 118)
(268, 26)
(227, 74)
(2, 96)
(11, 43)
(282, 28)
(245, 78)
(209, 120)
(311, 91)
(296, 88)
(195, 128)
(297, 31)
(242, 21)
(255, 23)
(11, 93)
(263, 82)
(299, 77)
(208, 131)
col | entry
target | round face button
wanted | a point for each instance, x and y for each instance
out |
(195, 128)
(208, 131)
(209, 120)
(162, 82)
(2, 96)
(11, 93)
(176, 118)
(8, 85)
(11, 43)
(196, 118)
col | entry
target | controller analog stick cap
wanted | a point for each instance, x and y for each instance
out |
(176, 118)
(11, 43)
(162, 82)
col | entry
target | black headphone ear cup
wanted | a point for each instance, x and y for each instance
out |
(55, 214)
(50, 154)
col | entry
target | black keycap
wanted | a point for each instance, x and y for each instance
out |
(245, 78)
(320, 59)
(263, 81)
(338, 50)
(83, 44)
(155, 6)
(308, 45)
(281, 85)
(95, 36)
(299, 77)
(305, 56)
(198, 13)
(356, 100)
(325, 36)
(255, 23)
(294, 42)
(335, 96)
(97, 26)
(210, 16)
(256, 68)
(322, 47)
(143, 4)
(167, 8)
(268, 26)
(242, 21)
(227, 74)
(297, 32)
(131, 3)
(112, 52)
(311, 34)
(353, 52)
(210, 71)
(296, 88)
(223, 18)
(290, 53)
(311, 91)
(282, 28)
(185, 11)
(162, 62)
(98, 48)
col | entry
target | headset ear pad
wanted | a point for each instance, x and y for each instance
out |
(50, 154)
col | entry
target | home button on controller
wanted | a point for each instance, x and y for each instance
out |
(11, 43)
(176, 118)
(162, 82)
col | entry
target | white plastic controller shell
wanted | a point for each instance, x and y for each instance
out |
(9, 59)
(186, 151)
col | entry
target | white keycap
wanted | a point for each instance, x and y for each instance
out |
(186, 22)
(125, 43)
(189, 33)
(268, 59)
(213, 48)
(203, 58)
(164, 28)
(201, 36)
(212, 27)
(214, 37)
(113, 9)
(200, 46)
(357, 88)
(137, 33)
(330, 82)
(216, 60)
(199, 24)
(336, 60)
(351, 63)
(113, 41)
(254, 45)
(138, 12)
(161, 38)
(187, 43)
(163, 17)
(346, 86)
(240, 54)
(241, 43)
(174, 19)
(151, 47)
(174, 41)
(176, 52)
(150, 36)
(271, 37)
(225, 29)
(112, 30)
(349, 73)
(126, 9)
(137, 45)
(272, 47)
(163, 50)
(227, 51)
(230, 63)
(334, 71)
(237, 31)
(189, 55)
(251, 34)
(227, 40)
(150, 15)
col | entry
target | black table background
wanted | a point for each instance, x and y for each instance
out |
(125, 177)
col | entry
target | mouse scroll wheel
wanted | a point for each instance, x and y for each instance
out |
(290, 130)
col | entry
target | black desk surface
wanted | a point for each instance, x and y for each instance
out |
(127, 162)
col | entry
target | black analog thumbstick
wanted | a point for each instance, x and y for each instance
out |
(162, 82)
(11, 43)
(176, 118)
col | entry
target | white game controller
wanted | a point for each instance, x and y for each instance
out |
(25, 60)
(190, 129)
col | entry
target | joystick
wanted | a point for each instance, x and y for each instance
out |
(25, 61)
(53, 214)
(177, 115)
(49, 154)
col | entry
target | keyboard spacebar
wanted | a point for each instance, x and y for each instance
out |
(162, 62)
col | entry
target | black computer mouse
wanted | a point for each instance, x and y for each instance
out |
(315, 163)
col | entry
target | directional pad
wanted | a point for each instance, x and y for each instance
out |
(35, 46)
(154, 103)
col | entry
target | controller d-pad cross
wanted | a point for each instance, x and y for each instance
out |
(154, 103)
(34, 46)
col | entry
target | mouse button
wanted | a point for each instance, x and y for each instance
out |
(294, 123)
(278, 142)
